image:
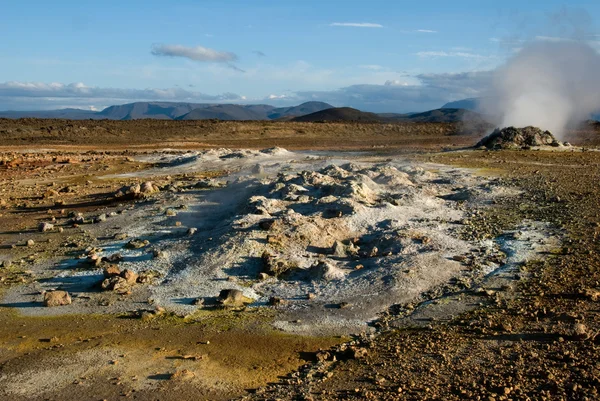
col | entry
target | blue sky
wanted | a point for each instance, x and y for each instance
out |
(392, 56)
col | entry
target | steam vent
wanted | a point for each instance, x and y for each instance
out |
(513, 138)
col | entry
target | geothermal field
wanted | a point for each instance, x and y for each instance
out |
(413, 262)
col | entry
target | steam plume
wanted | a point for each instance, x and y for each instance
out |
(548, 84)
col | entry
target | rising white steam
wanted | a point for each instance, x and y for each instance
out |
(548, 84)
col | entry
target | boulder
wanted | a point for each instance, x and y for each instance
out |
(512, 138)
(57, 298)
(233, 298)
(129, 276)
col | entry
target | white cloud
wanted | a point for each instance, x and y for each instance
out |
(357, 24)
(431, 91)
(426, 31)
(432, 54)
(197, 53)
(395, 82)
(40, 95)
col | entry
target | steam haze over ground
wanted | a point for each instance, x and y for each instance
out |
(549, 84)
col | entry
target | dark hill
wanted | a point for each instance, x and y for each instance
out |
(469, 104)
(227, 112)
(444, 115)
(339, 114)
(300, 110)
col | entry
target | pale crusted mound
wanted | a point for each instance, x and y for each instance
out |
(511, 137)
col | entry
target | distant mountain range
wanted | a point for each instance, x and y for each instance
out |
(305, 112)
(443, 115)
(177, 111)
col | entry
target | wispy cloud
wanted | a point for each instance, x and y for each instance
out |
(372, 67)
(426, 31)
(197, 53)
(357, 24)
(433, 54)
(259, 53)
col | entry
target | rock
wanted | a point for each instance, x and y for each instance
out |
(137, 244)
(51, 193)
(327, 271)
(580, 332)
(170, 212)
(182, 374)
(120, 236)
(157, 253)
(275, 266)
(147, 276)
(233, 298)
(3, 203)
(43, 227)
(353, 352)
(191, 231)
(339, 250)
(78, 219)
(130, 276)
(116, 283)
(198, 301)
(263, 276)
(512, 138)
(57, 298)
(30, 242)
(115, 258)
(148, 188)
(100, 218)
(257, 169)
(129, 192)
(111, 271)
(275, 301)
(592, 294)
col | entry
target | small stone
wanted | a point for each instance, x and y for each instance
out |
(43, 227)
(191, 231)
(171, 213)
(57, 298)
(275, 301)
(129, 276)
(111, 271)
(120, 236)
(233, 298)
(137, 244)
(30, 242)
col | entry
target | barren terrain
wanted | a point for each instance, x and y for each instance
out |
(351, 261)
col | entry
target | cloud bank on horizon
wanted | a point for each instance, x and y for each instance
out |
(432, 91)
